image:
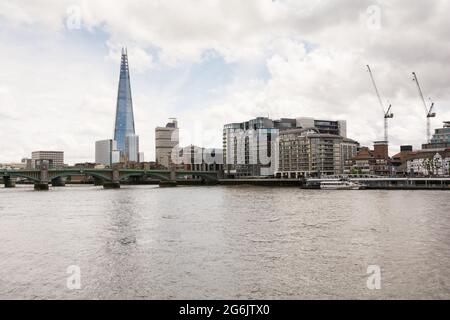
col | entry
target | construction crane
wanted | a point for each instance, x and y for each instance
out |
(429, 112)
(386, 113)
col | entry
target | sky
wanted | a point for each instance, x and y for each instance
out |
(212, 62)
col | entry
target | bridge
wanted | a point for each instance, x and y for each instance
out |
(109, 178)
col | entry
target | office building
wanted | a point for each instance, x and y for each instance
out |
(124, 123)
(106, 152)
(55, 159)
(132, 148)
(166, 139)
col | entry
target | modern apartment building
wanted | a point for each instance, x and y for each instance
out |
(309, 153)
(251, 148)
(55, 159)
(166, 139)
(441, 138)
(338, 127)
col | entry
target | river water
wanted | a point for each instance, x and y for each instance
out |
(235, 242)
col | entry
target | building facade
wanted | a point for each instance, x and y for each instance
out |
(194, 158)
(308, 153)
(55, 159)
(166, 139)
(251, 148)
(440, 139)
(429, 162)
(132, 148)
(370, 162)
(338, 127)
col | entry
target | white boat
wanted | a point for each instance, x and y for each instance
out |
(340, 185)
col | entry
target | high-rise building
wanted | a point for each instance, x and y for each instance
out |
(166, 139)
(55, 159)
(132, 148)
(124, 124)
(106, 152)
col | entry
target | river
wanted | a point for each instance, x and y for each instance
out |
(223, 242)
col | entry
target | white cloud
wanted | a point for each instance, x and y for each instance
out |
(63, 82)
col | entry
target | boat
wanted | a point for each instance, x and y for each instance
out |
(340, 185)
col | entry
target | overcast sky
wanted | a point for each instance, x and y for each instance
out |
(211, 62)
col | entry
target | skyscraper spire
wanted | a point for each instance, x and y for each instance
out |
(124, 124)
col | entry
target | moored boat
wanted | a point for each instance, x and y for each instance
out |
(340, 185)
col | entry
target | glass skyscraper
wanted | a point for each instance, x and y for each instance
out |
(124, 125)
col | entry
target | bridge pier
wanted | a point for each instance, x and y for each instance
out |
(9, 182)
(98, 181)
(41, 186)
(172, 182)
(58, 182)
(111, 185)
(115, 183)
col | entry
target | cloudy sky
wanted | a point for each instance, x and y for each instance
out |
(211, 62)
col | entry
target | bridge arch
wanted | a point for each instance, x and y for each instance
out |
(22, 175)
(81, 172)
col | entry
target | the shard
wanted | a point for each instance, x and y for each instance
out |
(124, 125)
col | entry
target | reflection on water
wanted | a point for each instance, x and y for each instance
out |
(223, 242)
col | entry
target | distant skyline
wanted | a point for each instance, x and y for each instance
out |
(211, 62)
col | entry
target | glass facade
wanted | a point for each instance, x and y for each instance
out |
(124, 125)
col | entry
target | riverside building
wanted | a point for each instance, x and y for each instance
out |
(374, 162)
(440, 139)
(166, 139)
(251, 148)
(309, 153)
